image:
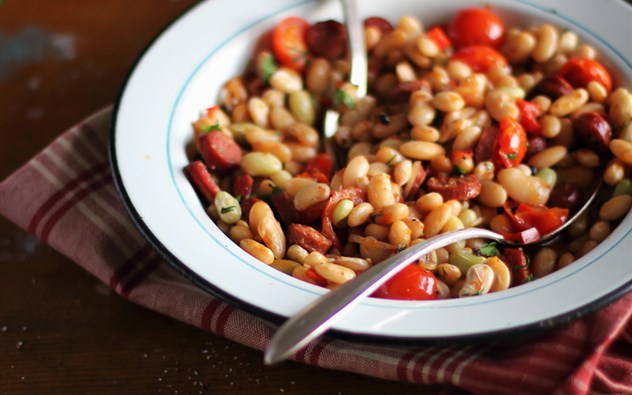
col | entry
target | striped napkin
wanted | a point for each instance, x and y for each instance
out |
(66, 197)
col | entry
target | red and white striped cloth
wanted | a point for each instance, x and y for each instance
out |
(65, 196)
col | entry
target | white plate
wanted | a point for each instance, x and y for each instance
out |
(182, 72)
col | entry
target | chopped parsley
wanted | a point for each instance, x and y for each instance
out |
(211, 128)
(238, 198)
(228, 209)
(268, 67)
(512, 156)
(488, 166)
(530, 277)
(341, 96)
(489, 249)
(391, 159)
(461, 171)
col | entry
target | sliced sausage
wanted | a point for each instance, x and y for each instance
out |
(382, 24)
(219, 151)
(246, 205)
(284, 207)
(564, 195)
(242, 185)
(459, 188)
(551, 87)
(487, 143)
(308, 238)
(327, 39)
(593, 130)
(517, 263)
(413, 186)
(202, 180)
(535, 145)
(401, 93)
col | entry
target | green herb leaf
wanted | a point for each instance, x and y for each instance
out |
(228, 209)
(530, 277)
(512, 156)
(343, 97)
(268, 67)
(461, 171)
(238, 198)
(488, 166)
(489, 249)
(391, 159)
(275, 190)
(211, 128)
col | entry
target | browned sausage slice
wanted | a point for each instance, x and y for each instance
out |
(308, 238)
(327, 39)
(203, 180)
(219, 151)
(485, 148)
(459, 188)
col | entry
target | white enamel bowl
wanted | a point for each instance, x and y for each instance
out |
(182, 73)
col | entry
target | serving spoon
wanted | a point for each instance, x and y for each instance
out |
(320, 315)
(358, 76)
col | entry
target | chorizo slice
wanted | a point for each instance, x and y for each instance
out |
(327, 39)
(202, 180)
(308, 238)
(487, 143)
(459, 188)
(284, 207)
(219, 151)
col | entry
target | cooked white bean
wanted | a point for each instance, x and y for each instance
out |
(380, 191)
(492, 194)
(227, 207)
(360, 214)
(569, 103)
(286, 80)
(297, 253)
(261, 164)
(622, 150)
(310, 195)
(615, 208)
(478, 280)
(258, 250)
(357, 168)
(522, 188)
(421, 150)
(549, 157)
(272, 235)
(502, 275)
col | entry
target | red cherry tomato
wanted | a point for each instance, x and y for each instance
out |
(412, 283)
(480, 58)
(288, 43)
(476, 26)
(320, 163)
(580, 71)
(529, 116)
(544, 219)
(511, 143)
(438, 35)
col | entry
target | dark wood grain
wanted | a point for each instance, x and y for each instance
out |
(61, 330)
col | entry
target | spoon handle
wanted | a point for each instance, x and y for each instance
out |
(320, 315)
(355, 37)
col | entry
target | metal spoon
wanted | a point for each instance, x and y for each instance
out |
(319, 316)
(358, 75)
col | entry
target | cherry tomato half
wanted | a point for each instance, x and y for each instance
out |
(480, 58)
(288, 43)
(439, 36)
(580, 71)
(476, 26)
(412, 283)
(544, 219)
(529, 116)
(511, 143)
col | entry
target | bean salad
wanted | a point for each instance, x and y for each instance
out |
(470, 123)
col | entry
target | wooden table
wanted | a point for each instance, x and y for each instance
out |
(60, 61)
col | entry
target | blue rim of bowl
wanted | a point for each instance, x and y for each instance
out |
(216, 291)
